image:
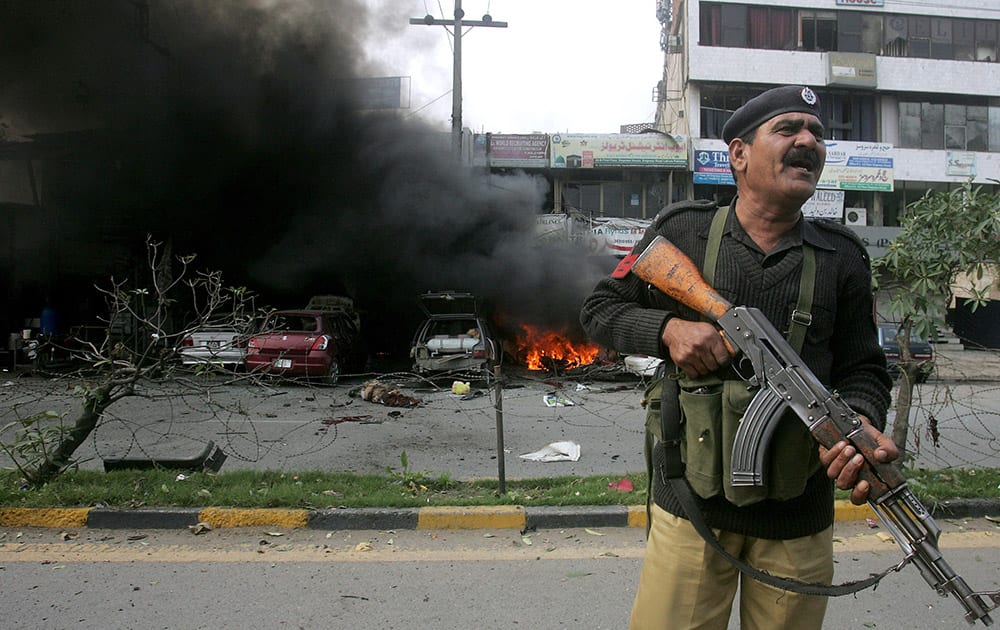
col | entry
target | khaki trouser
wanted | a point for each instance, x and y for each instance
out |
(687, 585)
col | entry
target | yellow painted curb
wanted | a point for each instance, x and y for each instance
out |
(235, 517)
(846, 511)
(493, 517)
(43, 517)
(637, 516)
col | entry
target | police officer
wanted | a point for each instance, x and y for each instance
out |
(811, 279)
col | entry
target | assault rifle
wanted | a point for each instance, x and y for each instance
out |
(786, 383)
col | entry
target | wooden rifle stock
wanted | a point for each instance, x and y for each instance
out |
(669, 269)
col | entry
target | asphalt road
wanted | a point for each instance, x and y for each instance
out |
(559, 578)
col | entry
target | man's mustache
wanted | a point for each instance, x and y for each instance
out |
(803, 157)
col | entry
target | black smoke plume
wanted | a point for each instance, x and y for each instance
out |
(228, 128)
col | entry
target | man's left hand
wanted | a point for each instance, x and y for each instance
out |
(843, 462)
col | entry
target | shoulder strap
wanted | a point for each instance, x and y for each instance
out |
(802, 315)
(714, 244)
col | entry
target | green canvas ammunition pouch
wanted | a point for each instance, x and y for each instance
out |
(711, 411)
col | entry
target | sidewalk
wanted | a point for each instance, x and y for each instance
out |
(955, 363)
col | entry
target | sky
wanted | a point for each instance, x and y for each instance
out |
(579, 66)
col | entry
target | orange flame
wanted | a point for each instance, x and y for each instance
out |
(540, 347)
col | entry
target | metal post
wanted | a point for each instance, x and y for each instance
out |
(456, 84)
(456, 88)
(501, 473)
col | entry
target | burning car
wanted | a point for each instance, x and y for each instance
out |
(552, 350)
(317, 341)
(455, 337)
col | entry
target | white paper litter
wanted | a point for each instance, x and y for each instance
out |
(554, 400)
(555, 452)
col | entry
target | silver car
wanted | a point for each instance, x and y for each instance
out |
(223, 346)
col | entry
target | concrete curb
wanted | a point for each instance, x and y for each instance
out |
(489, 517)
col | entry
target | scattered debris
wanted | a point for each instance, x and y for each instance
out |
(68, 536)
(554, 400)
(593, 532)
(329, 421)
(555, 452)
(200, 528)
(459, 388)
(364, 546)
(872, 523)
(377, 392)
(622, 485)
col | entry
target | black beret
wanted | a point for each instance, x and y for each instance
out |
(780, 100)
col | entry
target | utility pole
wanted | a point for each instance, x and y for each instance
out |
(456, 82)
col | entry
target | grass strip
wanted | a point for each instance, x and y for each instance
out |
(321, 489)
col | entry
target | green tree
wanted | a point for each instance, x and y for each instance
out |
(945, 235)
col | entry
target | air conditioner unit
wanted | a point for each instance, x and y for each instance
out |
(855, 216)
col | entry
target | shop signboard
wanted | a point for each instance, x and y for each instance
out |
(858, 166)
(511, 150)
(644, 150)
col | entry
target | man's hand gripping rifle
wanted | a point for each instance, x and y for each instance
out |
(786, 383)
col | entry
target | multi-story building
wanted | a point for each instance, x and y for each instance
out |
(910, 90)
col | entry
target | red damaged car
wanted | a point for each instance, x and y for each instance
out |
(316, 342)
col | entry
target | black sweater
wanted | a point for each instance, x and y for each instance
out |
(841, 345)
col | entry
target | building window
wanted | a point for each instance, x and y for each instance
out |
(964, 40)
(848, 116)
(871, 33)
(949, 126)
(608, 199)
(849, 31)
(994, 127)
(818, 30)
(919, 41)
(895, 42)
(931, 126)
(941, 38)
(740, 26)
(986, 41)
(909, 125)
(773, 28)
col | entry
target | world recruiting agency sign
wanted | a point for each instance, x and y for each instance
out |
(514, 150)
(654, 150)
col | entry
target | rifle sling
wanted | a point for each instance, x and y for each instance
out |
(672, 469)
(684, 495)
